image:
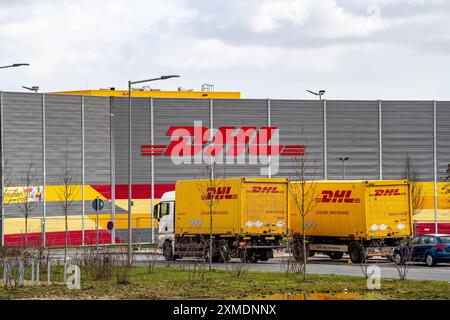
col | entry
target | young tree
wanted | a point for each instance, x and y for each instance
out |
(303, 190)
(27, 204)
(409, 173)
(208, 186)
(7, 193)
(446, 187)
(66, 195)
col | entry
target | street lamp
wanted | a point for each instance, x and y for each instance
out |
(15, 65)
(343, 159)
(33, 88)
(130, 204)
(320, 93)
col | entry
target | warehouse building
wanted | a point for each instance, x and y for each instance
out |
(87, 132)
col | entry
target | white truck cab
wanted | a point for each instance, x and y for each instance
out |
(165, 212)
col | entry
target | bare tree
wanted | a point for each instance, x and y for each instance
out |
(66, 195)
(123, 266)
(208, 186)
(28, 197)
(195, 266)
(409, 173)
(303, 189)
(446, 187)
(401, 259)
(240, 267)
(289, 264)
(7, 193)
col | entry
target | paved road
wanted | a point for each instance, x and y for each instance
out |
(316, 265)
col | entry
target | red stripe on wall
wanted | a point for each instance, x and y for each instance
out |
(427, 228)
(140, 191)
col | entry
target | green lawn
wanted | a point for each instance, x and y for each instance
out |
(175, 283)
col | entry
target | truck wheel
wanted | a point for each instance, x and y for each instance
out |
(264, 255)
(167, 251)
(336, 255)
(356, 251)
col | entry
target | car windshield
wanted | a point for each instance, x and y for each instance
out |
(445, 239)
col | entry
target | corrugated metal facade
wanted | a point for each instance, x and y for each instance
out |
(376, 135)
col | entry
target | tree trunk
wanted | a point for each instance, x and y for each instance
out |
(210, 237)
(66, 238)
(26, 232)
(305, 256)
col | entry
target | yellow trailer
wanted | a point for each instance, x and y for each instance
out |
(250, 217)
(363, 218)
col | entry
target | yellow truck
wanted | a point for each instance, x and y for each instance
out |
(250, 218)
(361, 218)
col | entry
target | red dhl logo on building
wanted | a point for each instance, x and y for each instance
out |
(219, 193)
(257, 189)
(231, 141)
(387, 192)
(338, 196)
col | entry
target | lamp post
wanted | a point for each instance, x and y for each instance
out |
(343, 159)
(130, 203)
(320, 93)
(15, 65)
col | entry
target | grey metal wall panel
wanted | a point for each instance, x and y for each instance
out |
(140, 135)
(120, 120)
(22, 135)
(97, 140)
(22, 129)
(443, 138)
(176, 112)
(300, 123)
(407, 129)
(353, 132)
(63, 137)
(63, 141)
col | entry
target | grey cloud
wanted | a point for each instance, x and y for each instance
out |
(408, 23)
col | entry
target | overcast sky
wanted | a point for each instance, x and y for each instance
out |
(355, 49)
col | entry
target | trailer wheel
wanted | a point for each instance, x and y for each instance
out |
(356, 251)
(336, 255)
(264, 255)
(167, 251)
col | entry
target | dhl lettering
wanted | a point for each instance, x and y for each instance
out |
(387, 192)
(232, 141)
(257, 189)
(338, 196)
(220, 193)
